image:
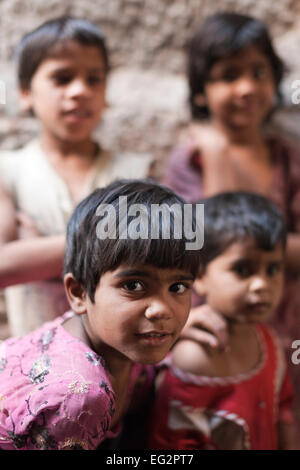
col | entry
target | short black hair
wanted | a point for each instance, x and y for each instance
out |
(219, 36)
(88, 256)
(40, 43)
(231, 217)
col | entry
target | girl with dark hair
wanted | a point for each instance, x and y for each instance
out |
(234, 77)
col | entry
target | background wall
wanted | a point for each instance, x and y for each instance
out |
(147, 92)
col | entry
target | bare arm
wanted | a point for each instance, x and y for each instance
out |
(293, 252)
(25, 260)
(285, 436)
(206, 327)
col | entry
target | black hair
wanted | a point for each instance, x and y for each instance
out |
(88, 256)
(221, 35)
(40, 43)
(230, 217)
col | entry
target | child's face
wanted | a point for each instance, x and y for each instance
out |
(139, 311)
(244, 283)
(241, 89)
(67, 92)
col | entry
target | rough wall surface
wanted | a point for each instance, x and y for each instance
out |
(146, 38)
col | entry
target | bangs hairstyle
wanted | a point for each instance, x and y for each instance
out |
(87, 257)
(43, 42)
(220, 36)
(238, 216)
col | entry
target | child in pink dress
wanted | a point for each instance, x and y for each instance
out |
(240, 398)
(67, 384)
(234, 77)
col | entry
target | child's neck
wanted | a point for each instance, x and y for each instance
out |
(61, 149)
(250, 136)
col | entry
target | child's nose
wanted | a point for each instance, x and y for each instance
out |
(258, 283)
(78, 88)
(158, 310)
(246, 85)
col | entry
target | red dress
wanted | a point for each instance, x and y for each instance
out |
(241, 412)
(184, 174)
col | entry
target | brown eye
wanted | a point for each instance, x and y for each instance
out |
(179, 288)
(95, 79)
(273, 269)
(62, 79)
(242, 270)
(260, 72)
(133, 286)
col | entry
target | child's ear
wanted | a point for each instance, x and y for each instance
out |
(25, 99)
(200, 100)
(76, 295)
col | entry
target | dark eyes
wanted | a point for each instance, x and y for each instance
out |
(61, 80)
(138, 286)
(231, 74)
(179, 288)
(273, 269)
(133, 286)
(244, 270)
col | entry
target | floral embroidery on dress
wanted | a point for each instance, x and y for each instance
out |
(62, 398)
(40, 437)
(95, 359)
(39, 369)
(110, 395)
(75, 444)
(47, 339)
(77, 387)
(3, 363)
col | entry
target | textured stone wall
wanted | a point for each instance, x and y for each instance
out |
(146, 38)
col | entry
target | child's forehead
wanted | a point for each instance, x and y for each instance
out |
(250, 54)
(73, 52)
(151, 271)
(249, 248)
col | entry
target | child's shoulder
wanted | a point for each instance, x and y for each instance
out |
(130, 165)
(16, 161)
(193, 357)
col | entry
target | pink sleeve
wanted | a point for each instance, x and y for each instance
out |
(286, 399)
(182, 176)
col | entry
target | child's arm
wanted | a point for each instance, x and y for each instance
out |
(26, 260)
(285, 426)
(192, 357)
(285, 436)
(206, 327)
(293, 252)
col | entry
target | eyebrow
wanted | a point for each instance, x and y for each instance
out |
(70, 69)
(134, 272)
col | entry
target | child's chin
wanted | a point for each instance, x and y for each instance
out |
(146, 359)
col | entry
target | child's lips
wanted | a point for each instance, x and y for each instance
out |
(77, 114)
(259, 307)
(154, 338)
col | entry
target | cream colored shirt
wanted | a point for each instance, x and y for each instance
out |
(37, 190)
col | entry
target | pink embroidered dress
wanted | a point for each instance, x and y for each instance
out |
(225, 413)
(54, 392)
